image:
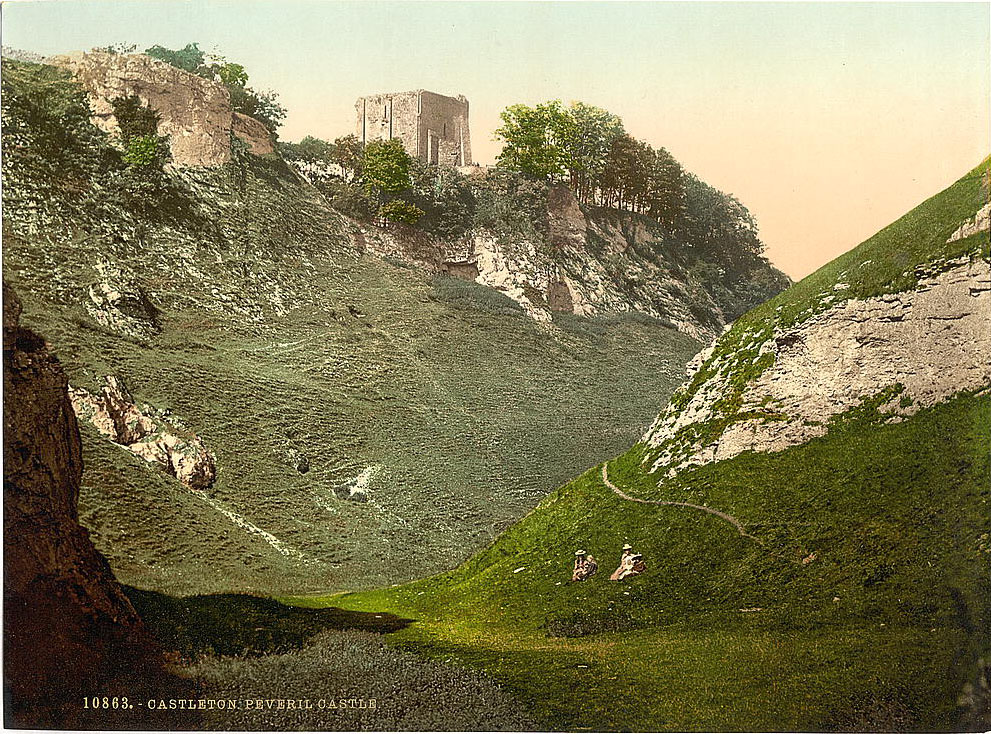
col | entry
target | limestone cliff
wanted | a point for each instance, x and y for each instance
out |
(194, 112)
(69, 631)
(588, 262)
(847, 343)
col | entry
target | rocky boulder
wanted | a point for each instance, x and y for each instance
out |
(146, 433)
(68, 629)
(118, 302)
(194, 112)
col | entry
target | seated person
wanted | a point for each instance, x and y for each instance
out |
(585, 566)
(630, 564)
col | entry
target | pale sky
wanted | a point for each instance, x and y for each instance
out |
(827, 120)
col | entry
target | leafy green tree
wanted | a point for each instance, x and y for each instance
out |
(308, 150)
(263, 106)
(232, 75)
(385, 167)
(531, 140)
(585, 134)
(720, 228)
(666, 198)
(446, 199)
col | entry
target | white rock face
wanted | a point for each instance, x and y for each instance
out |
(145, 434)
(935, 341)
(564, 273)
(520, 274)
(980, 222)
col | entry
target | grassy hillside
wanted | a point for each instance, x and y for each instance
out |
(254, 318)
(893, 260)
(858, 598)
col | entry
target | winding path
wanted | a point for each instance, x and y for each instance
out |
(722, 515)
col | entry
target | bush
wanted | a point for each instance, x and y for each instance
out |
(146, 150)
(511, 206)
(134, 119)
(446, 198)
(263, 106)
(348, 199)
(400, 211)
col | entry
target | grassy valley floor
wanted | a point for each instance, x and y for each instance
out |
(879, 630)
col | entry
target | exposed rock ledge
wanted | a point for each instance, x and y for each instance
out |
(151, 437)
(195, 112)
(934, 341)
(980, 222)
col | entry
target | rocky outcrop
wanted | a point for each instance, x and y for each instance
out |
(902, 351)
(980, 222)
(118, 302)
(588, 264)
(146, 433)
(195, 113)
(68, 630)
(252, 132)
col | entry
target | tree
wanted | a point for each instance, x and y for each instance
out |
(721, 228)
(531, 143)
(585, 134)
(445, 198)
(347, 154)
(308, 150)
(385, 167)
(231, 74)
(665, 202)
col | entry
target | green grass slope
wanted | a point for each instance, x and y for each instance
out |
(861, 599)
(277, 339)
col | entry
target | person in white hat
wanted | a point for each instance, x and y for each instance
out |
(630, 564)
(585, 566)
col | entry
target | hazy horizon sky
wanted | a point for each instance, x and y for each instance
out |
(827, 120)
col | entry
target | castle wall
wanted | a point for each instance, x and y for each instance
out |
(386, 116)
(444, 119)
(432, 127)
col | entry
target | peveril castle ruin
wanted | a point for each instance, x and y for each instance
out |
(431, 126)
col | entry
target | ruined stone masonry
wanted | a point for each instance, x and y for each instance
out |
(431, 126)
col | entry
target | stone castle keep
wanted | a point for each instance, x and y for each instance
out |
(432, 127)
